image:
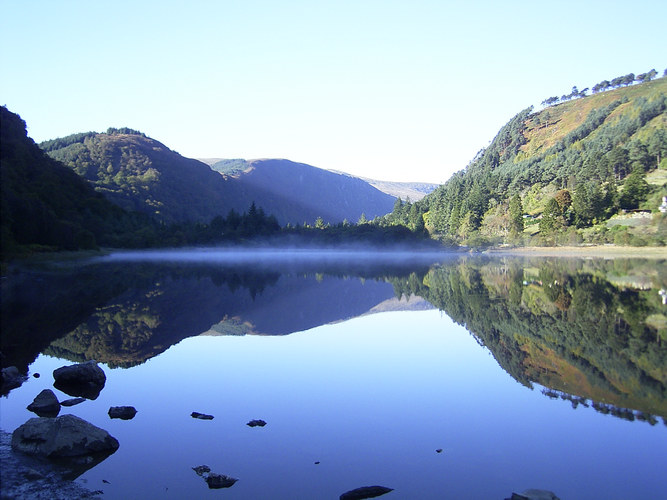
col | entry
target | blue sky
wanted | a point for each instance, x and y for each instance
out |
(393, 90)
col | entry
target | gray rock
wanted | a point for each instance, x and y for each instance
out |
(72, 402)
(122, 412)
(11, 379)
(256, 423)
(365, 492)
(20, 477)
(201, 416)
(45, 404)
(201, 469)
(533, 494)
(84, 379)
(216, 481)
(64, 436)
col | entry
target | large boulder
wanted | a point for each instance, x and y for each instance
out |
(62, 437)
(45, 404)
(83, 379)
(11, 379)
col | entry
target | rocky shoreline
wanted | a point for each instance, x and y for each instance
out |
(26, 477)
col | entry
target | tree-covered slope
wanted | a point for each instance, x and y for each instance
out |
(298, 193)
(139, 173)
(46, 204)
(591, 155)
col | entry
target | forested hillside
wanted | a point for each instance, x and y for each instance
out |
(46, 205)
(142, 174)
(139, 173)
(559, 175)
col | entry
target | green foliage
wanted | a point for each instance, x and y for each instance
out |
(537, 154)
(563, 325)
(635, 189)
(230, 166)
(516, 215)
(552, 217)
(47, 206)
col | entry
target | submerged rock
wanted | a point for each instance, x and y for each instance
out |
(83, 379)
(365, 492)
(256, 423)
(45, 404)
(201, 469)
(533, 494)
(201, 416)
(72, 402)
(216, 481)
(62, 437)
(122, 412)
(26, 477)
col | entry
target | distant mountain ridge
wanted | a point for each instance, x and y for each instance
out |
(413, 191)
(405, 190)
(298, 192)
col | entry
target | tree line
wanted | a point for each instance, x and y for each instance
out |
(619, 81)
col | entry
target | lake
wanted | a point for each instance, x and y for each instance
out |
(440, 376)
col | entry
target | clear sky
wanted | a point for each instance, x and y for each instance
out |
(394, 90)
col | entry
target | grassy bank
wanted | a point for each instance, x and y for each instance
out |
(603, 251)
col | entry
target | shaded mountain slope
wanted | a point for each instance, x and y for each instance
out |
(140, 173)
(45, 203)
(297, 192)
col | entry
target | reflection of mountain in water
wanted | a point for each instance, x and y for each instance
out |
(563, 326)
(138, 311)
(582, 329)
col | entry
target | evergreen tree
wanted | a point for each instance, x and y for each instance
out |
(635, 189)
(551, 219)
(516, 215)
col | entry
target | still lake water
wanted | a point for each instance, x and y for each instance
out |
(525, 373)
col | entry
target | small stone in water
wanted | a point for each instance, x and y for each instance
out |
(216, 481)
(201, 416)
(256, 423)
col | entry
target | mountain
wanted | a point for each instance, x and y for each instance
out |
(549, 175)
(413, 191)
(139, 173)
(297, 192)
(45, 204)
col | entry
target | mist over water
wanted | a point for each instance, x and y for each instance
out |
(276, 255)
(252, 254)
